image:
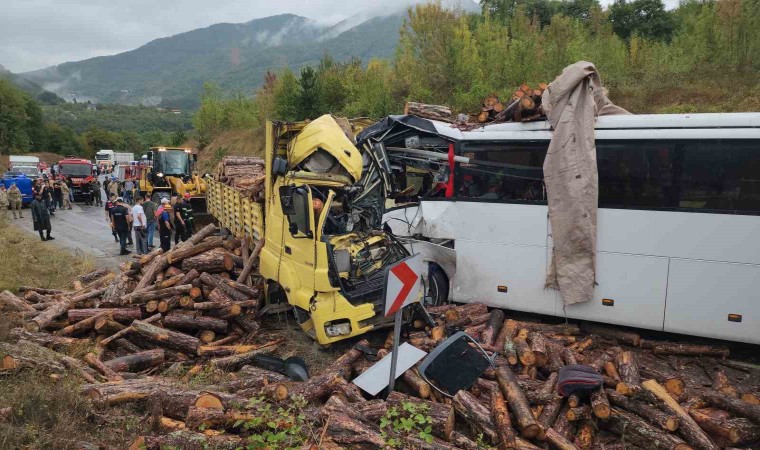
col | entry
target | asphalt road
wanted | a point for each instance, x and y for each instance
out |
(81, 229)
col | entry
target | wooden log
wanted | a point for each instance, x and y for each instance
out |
(668, 422)
(501, 421)
(732, 405)
(28, 355)
(442, 415)
(104, 370)
(672, 381)
(82, 326)
(600, 405)
(722, 384)
(538, 347)
(107, 327)
(420, 387)
(210, 261)
(141, 297)
(118, 314)
(636, 430)
(46, 339)
(585, 436)
(738, 431)
(251, 262)
(493, 327)
(581, 412)
(352, 433)
(227, 350)
(9, 302)
(46, 317)
(219, 285)
(524, 353)
(43, 291)
(621, 336)
(252, 377)
(458, 313)
(234, 362)
(180, 254)
(664, 348)
(550, 412)
(187, 440)
(687, 427)
(558, 440)
(434, 112)
(184, 322)
(628, 369)
(518, 403)
(475, 414)
(137, 362)
(554, 360)
(165, 338)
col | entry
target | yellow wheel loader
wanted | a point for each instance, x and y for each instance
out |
(169, 171)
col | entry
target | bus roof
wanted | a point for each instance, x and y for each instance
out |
(616, 122)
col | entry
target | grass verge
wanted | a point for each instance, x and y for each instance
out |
(49, 412)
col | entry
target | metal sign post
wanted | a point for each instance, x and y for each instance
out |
(403, 286)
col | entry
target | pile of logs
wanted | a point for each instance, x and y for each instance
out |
(523, 106)
(197, 300)
(244, 173)
(196, 305)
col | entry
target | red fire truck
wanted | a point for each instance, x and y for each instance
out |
(80, 172)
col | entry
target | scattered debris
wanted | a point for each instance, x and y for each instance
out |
(185, 309)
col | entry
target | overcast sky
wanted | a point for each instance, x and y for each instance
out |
(38, 33)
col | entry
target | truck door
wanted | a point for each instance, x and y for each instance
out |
(298, 260)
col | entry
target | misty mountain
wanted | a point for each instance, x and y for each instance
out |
(171, 71)
(30, 87)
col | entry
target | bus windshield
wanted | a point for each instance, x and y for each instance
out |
(76, 170)
(172, 162)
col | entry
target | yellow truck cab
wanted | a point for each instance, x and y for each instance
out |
(323, 252)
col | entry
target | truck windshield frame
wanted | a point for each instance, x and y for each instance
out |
(76, 170)
(172, 162)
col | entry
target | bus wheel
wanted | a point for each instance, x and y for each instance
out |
(438, 287)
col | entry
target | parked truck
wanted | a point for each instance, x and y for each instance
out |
(324, 250)
(79, 171)
(107, 157)
(28, 165)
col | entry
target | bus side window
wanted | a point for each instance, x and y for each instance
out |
(637, 174)
(720, 175)
(503, 172)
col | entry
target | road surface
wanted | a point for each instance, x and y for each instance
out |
(81, 229)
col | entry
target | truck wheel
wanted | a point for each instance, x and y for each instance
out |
(438, 287)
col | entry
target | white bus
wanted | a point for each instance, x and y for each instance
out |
(678, 237)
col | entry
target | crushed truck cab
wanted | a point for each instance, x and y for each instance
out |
(322, 252)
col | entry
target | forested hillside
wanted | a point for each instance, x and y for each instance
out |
(700, 57)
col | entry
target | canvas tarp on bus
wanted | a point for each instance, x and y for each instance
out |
(572, 102)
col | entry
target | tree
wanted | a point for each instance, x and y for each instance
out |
(286, 96)
(309, 106)
(645, 18)
(13, 119)
(178, 138)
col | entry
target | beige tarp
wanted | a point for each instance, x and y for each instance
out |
(572, 103)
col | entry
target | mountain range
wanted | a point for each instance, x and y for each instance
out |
(170, 71)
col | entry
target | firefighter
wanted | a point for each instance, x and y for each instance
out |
(187, 216)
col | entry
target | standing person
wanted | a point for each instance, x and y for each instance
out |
(128, 187)
(188, 217)
(106, 183)
(66, 193)
(57, 195)
(165, 225)
(113, 187)
(47, 197)
(86, 193)
(140, 227)
(3, 202)
(150, 208)
(41, 217)
(110, 205)
(70, 184)
(179, 221)
(96, 195)
(120, 219)
(14, 200)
